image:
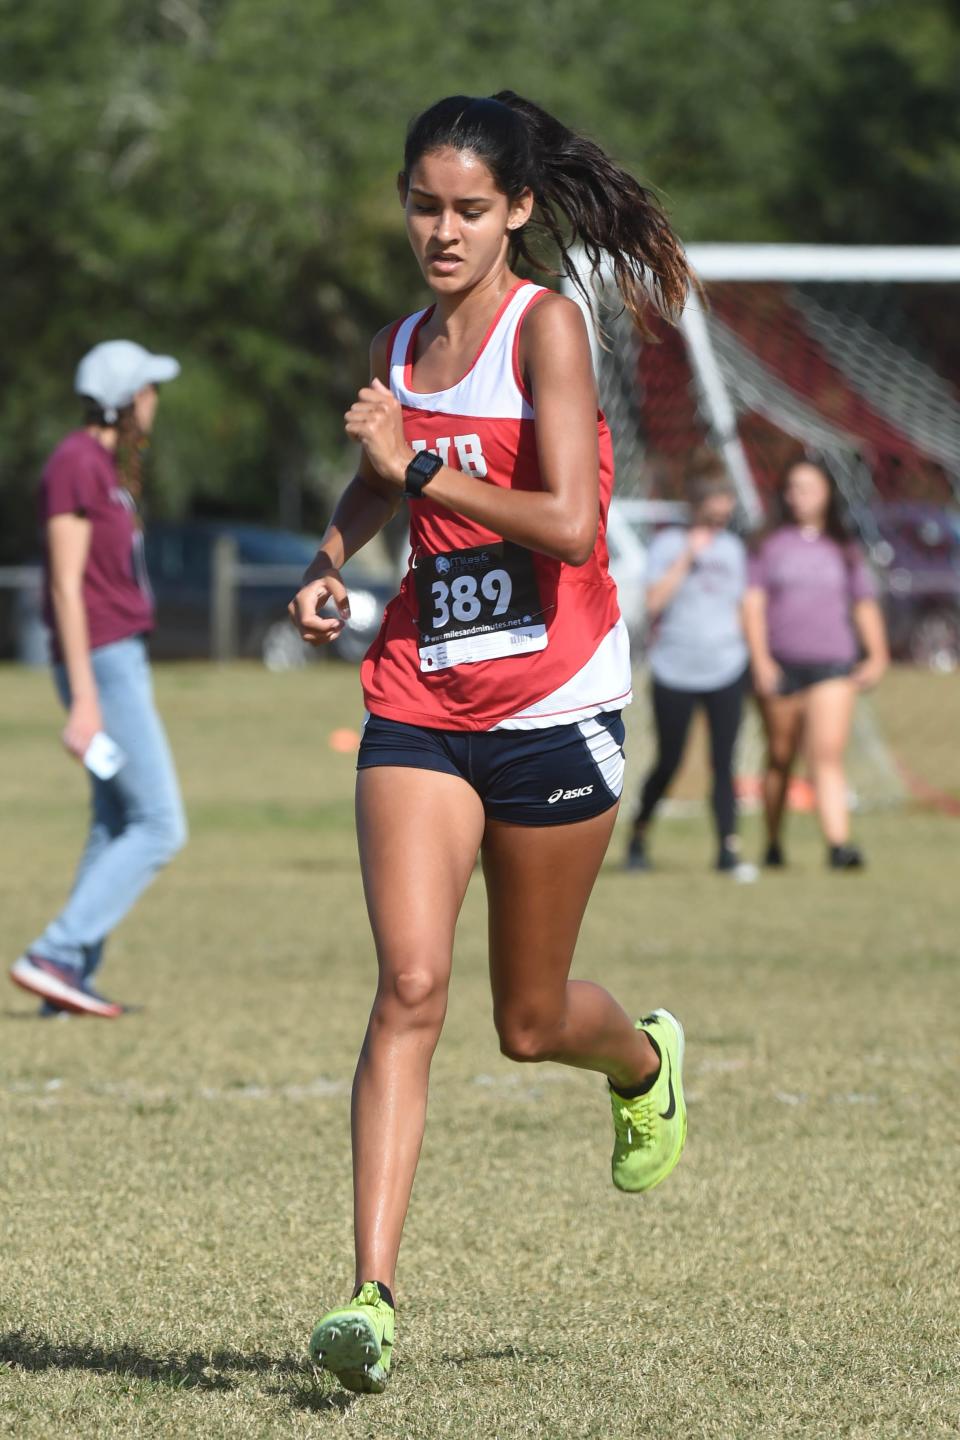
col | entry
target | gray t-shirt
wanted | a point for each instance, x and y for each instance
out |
(698, 643)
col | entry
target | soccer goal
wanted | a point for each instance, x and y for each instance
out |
(846, 354)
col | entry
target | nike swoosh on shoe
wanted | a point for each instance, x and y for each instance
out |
(671, 1109)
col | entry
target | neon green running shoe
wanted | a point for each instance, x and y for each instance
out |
(355, 1342)
(651, 1130)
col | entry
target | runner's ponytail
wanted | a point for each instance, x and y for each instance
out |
(582, 198)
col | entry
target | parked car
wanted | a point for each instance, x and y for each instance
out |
(180, 565)
(917, 559)
(23, 635)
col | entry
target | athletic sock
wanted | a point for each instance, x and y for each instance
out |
(633, 1092)
(386, 1293)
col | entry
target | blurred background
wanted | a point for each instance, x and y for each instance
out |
(215, 178)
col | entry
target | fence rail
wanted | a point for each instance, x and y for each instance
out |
(16, 577)
(227, 575)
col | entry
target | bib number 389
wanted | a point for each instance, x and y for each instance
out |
(479, 604)
(463, 600)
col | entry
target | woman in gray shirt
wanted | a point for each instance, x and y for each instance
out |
(698, 656)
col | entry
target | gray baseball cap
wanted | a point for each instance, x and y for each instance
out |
(112, 373)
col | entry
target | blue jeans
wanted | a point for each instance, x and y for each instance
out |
(137, 821)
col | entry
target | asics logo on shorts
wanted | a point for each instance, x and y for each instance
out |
(569, 794)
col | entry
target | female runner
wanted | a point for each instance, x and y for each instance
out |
(495, 685)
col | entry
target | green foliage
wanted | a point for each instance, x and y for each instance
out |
(215, 178)
(879, 145)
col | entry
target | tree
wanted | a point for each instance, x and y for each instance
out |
(215, 178)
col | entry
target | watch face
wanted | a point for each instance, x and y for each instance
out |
(420, 472)
(426, 463)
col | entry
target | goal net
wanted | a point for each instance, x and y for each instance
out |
(849, 355)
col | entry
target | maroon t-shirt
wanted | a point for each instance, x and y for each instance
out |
(81, 478)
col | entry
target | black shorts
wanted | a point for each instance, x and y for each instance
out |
(527, 777)
(797, 677)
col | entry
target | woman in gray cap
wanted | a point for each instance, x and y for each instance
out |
(99, 608)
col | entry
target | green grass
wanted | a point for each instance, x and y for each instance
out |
(175, 1188)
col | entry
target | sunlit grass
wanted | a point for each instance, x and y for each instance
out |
(175, 1188)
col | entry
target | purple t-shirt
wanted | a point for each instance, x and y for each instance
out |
(81, 478)
(811, 583)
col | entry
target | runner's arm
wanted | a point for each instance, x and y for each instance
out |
(559, 519)
(364, 508)
(361, 513)
(367, 504)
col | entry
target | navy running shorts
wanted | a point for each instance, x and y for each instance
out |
(552, 776)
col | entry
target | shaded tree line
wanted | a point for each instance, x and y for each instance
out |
(216, 178)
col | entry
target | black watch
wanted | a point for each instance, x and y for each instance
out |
(420, 472)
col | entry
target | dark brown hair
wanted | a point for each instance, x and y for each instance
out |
(581, 196)
(706, 475)
(130, 443)
(835, 522)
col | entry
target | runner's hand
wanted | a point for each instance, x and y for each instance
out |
(376, 420)
(83, 722)
(304, 609)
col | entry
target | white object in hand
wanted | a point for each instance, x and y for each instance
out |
(103, 757)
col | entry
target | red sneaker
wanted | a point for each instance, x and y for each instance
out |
(62, 986)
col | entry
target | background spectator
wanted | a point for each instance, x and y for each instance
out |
(698, 655)
(816, 637)
(99, 608)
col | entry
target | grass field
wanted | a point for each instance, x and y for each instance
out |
(175, 1187)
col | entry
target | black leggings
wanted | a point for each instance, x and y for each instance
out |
(672, 713)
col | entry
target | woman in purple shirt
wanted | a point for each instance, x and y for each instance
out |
(816, 636)
(99, 609)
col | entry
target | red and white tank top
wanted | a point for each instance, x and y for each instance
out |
(485, 634)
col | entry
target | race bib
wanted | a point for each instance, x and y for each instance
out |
(480, 604)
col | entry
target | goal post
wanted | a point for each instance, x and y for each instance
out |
(849, 355)
(718, 405)
(869, 264)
